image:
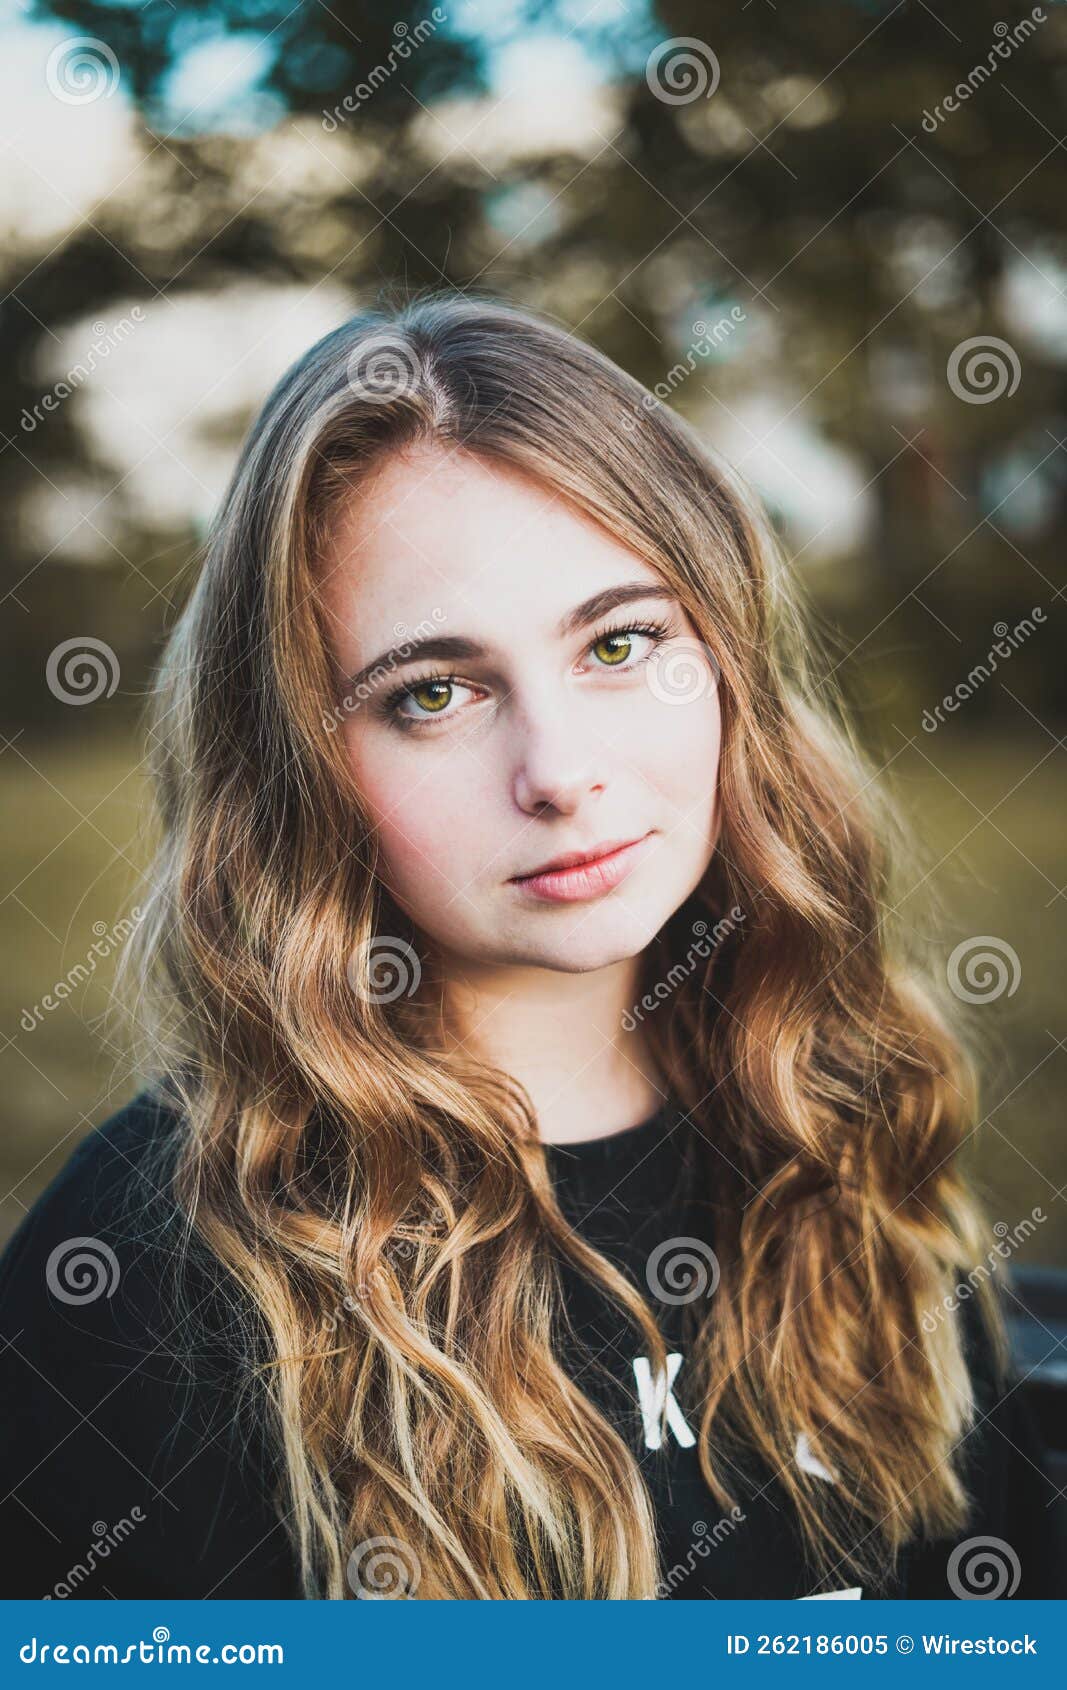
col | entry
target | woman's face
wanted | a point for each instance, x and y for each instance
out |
(553, 728)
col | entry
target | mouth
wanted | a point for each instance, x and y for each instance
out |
(583, 874)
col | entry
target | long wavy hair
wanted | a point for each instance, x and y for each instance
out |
(372, 1191)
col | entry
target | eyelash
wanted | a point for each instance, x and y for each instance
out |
(655, 631)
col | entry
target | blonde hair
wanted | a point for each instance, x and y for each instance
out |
(373, 1192)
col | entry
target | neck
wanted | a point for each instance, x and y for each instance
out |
(562, 1037)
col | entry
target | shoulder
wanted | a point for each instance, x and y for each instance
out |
(124, 1388)
(984, 1349)
(107, 1157)
(104, 1275)
(1006, 1544)
(105, 1212)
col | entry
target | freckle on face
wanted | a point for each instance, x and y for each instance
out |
(545, 750)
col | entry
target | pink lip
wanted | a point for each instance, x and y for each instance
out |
(585, 880)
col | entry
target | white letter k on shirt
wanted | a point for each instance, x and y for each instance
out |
(652, 1393)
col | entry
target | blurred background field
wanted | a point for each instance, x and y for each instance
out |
(850, 278)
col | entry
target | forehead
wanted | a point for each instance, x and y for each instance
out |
(481, 542)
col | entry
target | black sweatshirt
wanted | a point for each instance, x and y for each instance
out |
(132, 1466)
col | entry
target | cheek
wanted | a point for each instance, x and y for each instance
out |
(676, 749)
(426, 815)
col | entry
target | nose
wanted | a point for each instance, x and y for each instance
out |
(556, 767)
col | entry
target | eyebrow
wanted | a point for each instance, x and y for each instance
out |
(461, 646)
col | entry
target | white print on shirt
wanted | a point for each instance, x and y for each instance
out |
(809, 1462)
(836, 1595)
(651, 1394)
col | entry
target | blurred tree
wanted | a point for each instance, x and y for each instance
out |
(798, 161)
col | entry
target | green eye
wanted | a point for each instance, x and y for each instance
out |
(620, 647)
(431, 696)
(416, 703)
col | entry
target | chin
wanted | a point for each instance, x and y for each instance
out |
(582, 951)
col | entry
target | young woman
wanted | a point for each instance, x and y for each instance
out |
(542, 1181)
